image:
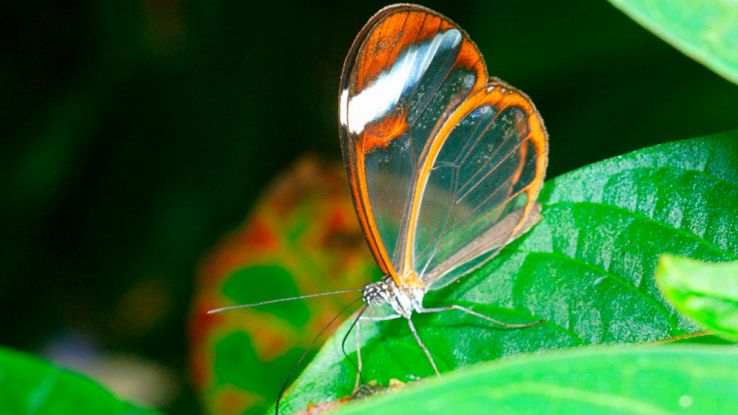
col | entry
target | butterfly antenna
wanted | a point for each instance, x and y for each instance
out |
(291, 375)
(282, 300)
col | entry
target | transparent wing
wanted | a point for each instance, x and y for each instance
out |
(408, 70)
(482, 177)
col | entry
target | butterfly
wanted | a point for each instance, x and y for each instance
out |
(444, 162)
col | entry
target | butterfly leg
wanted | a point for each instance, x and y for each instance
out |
(359, 362)
(422, 346)
(479, 315)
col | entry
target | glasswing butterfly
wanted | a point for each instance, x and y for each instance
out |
(444, 162)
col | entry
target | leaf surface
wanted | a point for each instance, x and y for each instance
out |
(29, 385)
(645, 380)
(703, 30)
(587, 269)
(707, 293)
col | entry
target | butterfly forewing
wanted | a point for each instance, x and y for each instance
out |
(434, 157)
(407, 70)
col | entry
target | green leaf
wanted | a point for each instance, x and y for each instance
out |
(587, 269)
(31, 386)
(707, 293)
(658, 380)
(704, 30)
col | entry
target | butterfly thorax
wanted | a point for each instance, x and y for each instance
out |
(404, 300)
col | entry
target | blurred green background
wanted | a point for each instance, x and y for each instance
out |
(134, 134)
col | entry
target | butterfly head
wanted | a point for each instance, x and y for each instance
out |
(377, 293)
(403, 300)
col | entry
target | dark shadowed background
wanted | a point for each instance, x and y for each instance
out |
(134, 134)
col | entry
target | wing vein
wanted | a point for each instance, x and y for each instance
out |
(492, 170)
